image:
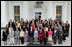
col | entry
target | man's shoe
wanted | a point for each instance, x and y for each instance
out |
(13, 44)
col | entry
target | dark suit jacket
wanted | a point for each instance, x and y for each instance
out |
(30, 23)
(9, 24)
(31, 34)
(13, 25)
(55, 37)
(67, 26)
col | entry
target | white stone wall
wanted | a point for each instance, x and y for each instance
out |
(69, 13)
(11, 8)
(24, 9)
(27, 10)
(65, 12)
(51, 10)
(4, 13)
(32, 10)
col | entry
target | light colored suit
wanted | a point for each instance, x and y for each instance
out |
(35, 36)
(17, 35)
(11, 35)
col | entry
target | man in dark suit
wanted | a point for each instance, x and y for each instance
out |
(12, 23)
(31, 34)
(55, 36)
(60, 35)
(67, 28)
(35, 22)
(14, 26)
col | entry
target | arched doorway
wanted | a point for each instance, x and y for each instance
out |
(37, 15)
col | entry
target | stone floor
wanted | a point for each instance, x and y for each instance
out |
(66, 43)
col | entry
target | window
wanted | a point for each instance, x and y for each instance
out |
(17, 12)
(58, 12)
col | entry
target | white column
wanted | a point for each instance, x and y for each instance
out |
(69, 13)
(11, 11)
(51, 10)
(64, 12)
(3, 13)
(25, 10)
(21, 10)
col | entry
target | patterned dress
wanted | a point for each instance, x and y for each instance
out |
(41, 36)
(26, 36)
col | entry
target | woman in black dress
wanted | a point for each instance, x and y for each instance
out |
(5, 37)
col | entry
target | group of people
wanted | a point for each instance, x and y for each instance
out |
(36, 29)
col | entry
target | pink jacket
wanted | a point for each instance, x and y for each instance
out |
(50, 33)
